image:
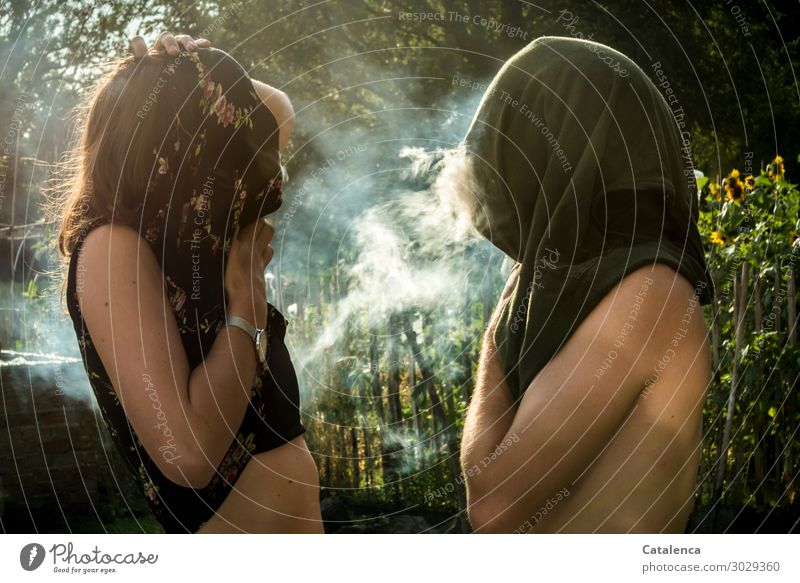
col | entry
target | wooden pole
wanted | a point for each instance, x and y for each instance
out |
(740, 311)
(791, 306)
(716, 326)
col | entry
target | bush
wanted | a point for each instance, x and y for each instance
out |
(750, 225)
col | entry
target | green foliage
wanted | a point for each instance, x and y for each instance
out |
(754, 219)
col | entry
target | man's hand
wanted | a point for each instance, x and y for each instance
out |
(168, 43)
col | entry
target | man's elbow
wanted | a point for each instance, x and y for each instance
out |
(486, 515)
(484, 503)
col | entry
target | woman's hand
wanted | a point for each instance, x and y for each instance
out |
(250, 253)
(168, 43)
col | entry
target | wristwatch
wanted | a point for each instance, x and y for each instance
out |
(259, 336)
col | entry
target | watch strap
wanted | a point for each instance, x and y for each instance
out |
(243, 324)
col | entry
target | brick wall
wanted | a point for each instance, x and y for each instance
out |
(49, 447)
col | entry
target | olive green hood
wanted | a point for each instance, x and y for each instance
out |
(582, 175)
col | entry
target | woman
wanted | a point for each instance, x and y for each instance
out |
(587, 415)
(178, 161)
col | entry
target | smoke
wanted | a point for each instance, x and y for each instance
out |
(376, 223)
(414, 251)
(50, 362)
(31, 374)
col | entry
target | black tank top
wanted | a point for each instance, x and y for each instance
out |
(272, 417)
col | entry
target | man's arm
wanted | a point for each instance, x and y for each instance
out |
(572, 408)
(491, 410)
(489, 418)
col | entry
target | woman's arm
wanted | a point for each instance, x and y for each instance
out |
(281, 107)
(186, 419)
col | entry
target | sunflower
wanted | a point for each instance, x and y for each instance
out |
(749, 182)
(735, 173)
(733, 188)
(719, 238)
(776, 169)
(713, 188)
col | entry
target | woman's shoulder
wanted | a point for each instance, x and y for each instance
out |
(112, 241)
(103, 234)
(109, 254)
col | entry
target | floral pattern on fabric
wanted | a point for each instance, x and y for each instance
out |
(214, 102)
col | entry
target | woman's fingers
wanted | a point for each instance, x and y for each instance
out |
(259, 232)
(257, 236)
(186, 41)
(262, 237)
(138, 46)
(191, 44)
(267, 230)
(169, 43)
(166, 42)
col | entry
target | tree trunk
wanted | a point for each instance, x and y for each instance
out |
(453, 447)
(777, 398)
(758, 308)
(739, 475)
(466, 351)
(790, 408)
(369, 463)
(758, 457)
(341, 456)
(395, 406)
(374, 367)
(776, 295)
(356, 458)
(390, 461)
(328, 469)
(412, 384)
(377, 393)
(449, 400)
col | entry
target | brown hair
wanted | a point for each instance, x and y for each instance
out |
(117, 134)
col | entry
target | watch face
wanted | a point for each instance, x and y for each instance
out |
(261, 344)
